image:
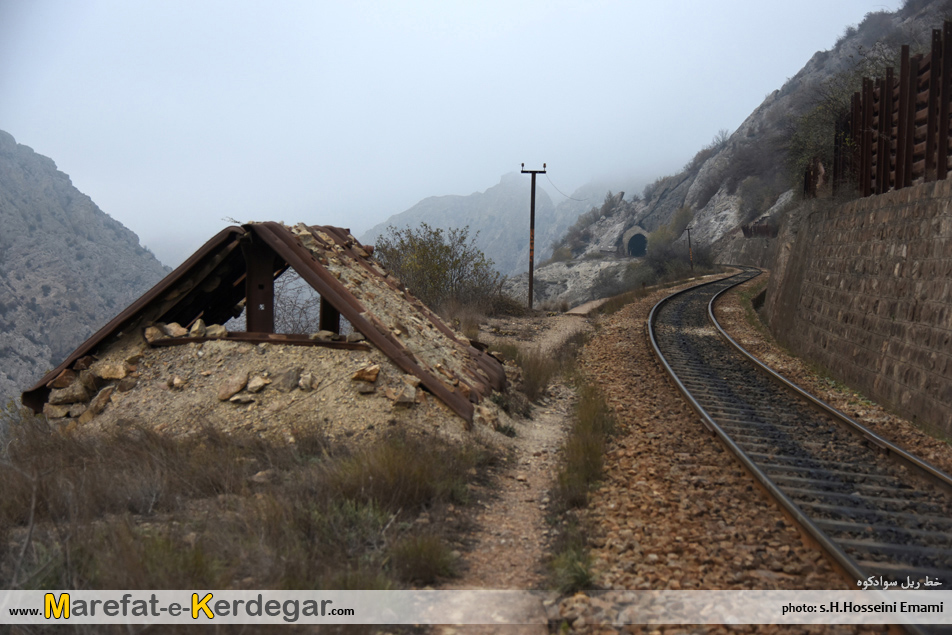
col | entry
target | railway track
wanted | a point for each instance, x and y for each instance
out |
(882, 514)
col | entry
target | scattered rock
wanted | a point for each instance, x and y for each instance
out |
(365, 388)
(232, 385)
(215, 331)
(355, 336)
(127, 384)
(325, 336)
(264, 476)
(55, 412)
(178, 382)
(63, 380)
(175, 330)
(242, 398)
(153, 334)
(97, 405)
(306, 383)
(74, 393)
(257, 383)
(367, 373)
(198, 329)
(287, 380)
(110, 370)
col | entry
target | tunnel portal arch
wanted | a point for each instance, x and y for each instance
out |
(637, 246)
(635, 242)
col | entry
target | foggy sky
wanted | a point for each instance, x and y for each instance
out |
(173, 115)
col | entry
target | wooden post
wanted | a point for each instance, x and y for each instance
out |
(935, 74)
(942, 142)
(913, 98)
(882, 165)
(902, 124)
(866, 169)
(888, 128)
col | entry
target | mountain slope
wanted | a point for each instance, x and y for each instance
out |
(500, 215)
(738, 178)
(66, 267)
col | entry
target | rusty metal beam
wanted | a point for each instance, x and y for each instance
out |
(329, 319)
(270, 338)
(321, 280)
(259, 285)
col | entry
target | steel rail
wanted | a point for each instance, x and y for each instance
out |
(845, 562)
(924, 468)
(785, 502)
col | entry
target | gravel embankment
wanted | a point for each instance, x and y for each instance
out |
(675, 509)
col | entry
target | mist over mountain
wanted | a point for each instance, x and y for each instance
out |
(501, 216)
(753, 175)
(66, 267)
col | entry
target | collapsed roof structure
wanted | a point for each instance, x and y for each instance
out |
(235, 271)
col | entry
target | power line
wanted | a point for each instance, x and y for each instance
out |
(580, 200)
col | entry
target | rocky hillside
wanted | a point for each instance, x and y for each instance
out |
(501, 216)
(66, 267)
(739, 177)
(754, 174)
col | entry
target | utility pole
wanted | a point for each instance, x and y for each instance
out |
(532, 225)
(690, 252)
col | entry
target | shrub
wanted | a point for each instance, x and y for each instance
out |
(756, 197)
(716, 145)
(559, 254)
(439, 266)
(422, 559)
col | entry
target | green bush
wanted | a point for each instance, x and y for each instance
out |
(439, 266)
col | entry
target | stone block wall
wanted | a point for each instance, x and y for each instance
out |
(865, 290)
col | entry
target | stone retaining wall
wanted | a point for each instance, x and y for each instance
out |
(865, 290)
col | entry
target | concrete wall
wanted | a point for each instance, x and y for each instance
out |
(865, 290)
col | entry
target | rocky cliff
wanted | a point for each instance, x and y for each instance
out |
(740, 178)
(66, 267)
(751, 175)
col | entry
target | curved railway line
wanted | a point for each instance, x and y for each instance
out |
(877, 510)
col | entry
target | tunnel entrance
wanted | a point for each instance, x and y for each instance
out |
(637, 246)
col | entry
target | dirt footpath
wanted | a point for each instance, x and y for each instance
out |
(675, 510)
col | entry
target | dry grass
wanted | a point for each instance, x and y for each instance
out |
(584, 448)
(581, 467)
(139, 510)
(539, 368)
